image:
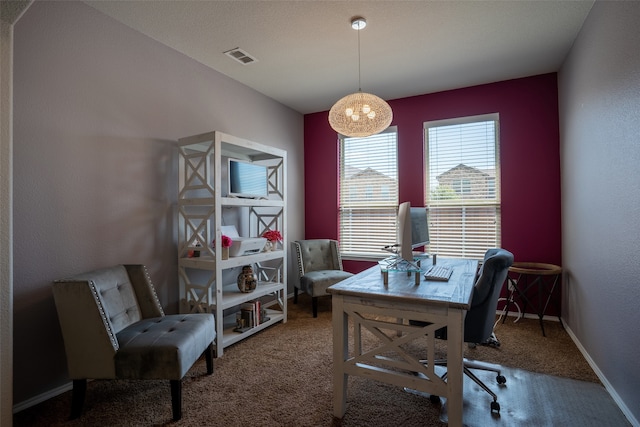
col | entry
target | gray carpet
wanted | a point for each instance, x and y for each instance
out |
(537, 400)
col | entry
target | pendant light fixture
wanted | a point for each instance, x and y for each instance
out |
(360, 114)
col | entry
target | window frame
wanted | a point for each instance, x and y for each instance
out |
(467, 248)
(383, 213)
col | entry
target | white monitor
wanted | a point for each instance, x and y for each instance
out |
(413, 229)
(404, 231)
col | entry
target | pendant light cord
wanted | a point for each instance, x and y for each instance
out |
(359, 83)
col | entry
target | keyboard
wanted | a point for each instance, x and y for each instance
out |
(439, 273)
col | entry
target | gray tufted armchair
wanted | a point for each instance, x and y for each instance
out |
(114, 327)
(319, 266)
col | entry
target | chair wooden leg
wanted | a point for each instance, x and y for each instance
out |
(295, 295)
(314, 305)
(77, 397)
(208, 356)
(176, 399)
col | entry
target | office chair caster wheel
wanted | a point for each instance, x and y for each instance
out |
(434, 399)
(501, 379)
(495, 407)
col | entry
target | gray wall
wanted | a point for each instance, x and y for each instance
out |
(10, 13)
(98, 108)
(599, 91)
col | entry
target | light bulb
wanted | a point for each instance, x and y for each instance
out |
(348, 112)
(355, 117)
(366, 109)
(371, 114)
(358, 23)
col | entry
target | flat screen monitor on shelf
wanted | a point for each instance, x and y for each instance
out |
(247, 180)
(413, 229)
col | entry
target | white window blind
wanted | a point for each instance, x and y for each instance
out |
(463, 185)
(368, 193)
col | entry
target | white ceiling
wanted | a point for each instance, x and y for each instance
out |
(308, 54)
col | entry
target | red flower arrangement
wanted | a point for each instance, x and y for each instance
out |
(272, 235)
(226, 242)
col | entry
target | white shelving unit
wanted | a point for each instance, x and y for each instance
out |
(208, 282)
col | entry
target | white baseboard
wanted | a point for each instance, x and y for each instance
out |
(519, 315)
(42, 397)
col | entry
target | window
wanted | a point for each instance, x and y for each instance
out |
(368, 194)
(463, 185)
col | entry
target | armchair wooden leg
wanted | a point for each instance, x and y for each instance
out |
(77, 397)
(314, 305)
(176, 399)
(208, 356)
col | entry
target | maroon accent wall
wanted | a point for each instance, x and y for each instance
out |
(529, 154)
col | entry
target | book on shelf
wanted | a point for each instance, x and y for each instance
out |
(251, 314)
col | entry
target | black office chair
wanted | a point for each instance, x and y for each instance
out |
(481, 317)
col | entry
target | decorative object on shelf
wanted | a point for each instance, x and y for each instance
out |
(226, 244)
(247, 279)
(273, 237)
(195, 253)
(226, 241)
(360, 114)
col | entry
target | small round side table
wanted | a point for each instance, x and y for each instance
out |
(526, 275)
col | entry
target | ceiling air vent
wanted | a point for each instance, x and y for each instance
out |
(241, 56)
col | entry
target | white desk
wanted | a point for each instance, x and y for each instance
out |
(384, 310)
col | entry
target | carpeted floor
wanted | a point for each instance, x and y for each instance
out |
(283, 377)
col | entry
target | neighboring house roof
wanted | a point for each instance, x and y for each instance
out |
(369, 173)
(352, 173)
(468, 170)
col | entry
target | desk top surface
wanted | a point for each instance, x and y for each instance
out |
(456, 292)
